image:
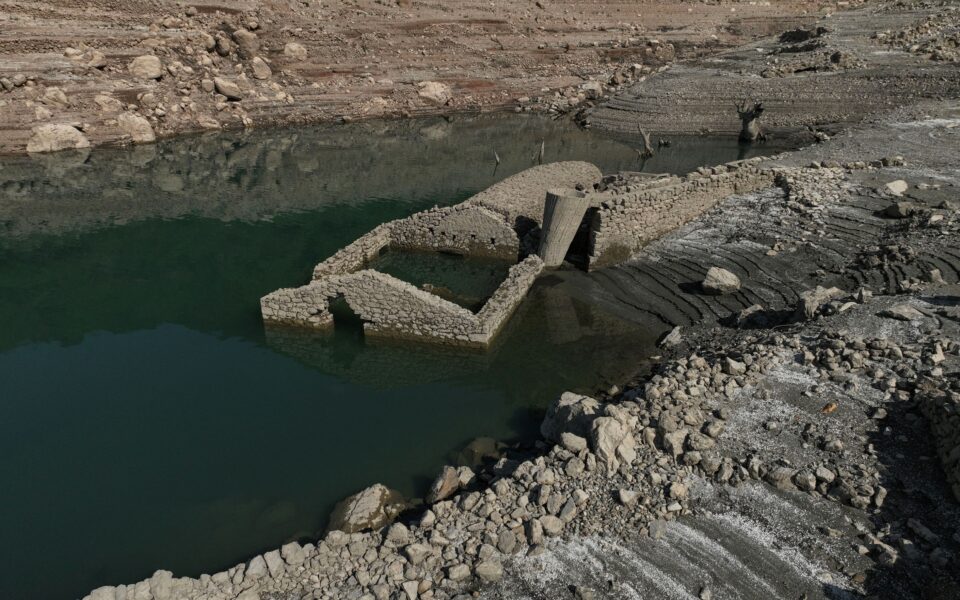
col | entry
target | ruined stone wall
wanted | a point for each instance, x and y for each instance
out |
(357, 254)
(625, 223)
(467, 230)
(943, 414)
(509, 295)
(392, 308)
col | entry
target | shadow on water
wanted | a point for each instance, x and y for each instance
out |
(147, 419)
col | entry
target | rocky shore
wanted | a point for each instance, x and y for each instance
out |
(75, 74)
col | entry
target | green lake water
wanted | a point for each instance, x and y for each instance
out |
(147, 418)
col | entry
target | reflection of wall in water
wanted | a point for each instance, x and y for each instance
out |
(550, 333)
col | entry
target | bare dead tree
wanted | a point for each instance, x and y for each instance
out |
(749, 118)
(647, 151)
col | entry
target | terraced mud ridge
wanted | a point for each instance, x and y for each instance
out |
(835, 72)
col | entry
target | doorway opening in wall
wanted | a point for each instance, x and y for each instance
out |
(578, 254)
(346, 322)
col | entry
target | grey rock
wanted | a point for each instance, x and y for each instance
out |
(56, 137)
(570, 413)
(902, 312)
(275, 563)
(445, 485)
(573, 442)
(293, 553)
(146, 67)
(228, 88)
(720, 281)
(370, 508)
(489, 571)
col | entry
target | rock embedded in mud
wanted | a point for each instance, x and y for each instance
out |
(295, 51)
(56, 137)
(902, 312)
(897, 188)
(671, 338)
(434, 92)
(146, 67)
(812, 300)
(720, 281)
(228, 88)
(261, 70)
(137, 127)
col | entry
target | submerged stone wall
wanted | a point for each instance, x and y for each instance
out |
(625, 223)
(393, 308)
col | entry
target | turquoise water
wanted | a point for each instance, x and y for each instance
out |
(147, 419)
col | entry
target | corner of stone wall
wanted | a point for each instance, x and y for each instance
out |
(357, 254)
(625, 223)
(943, 414)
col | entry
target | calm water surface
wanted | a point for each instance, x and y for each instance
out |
(147, 419)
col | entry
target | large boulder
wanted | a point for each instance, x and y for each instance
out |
(228, 88)
(720, 281)
(261, 70)
(613, 442)
(445, 485)
(137, 127)
(55, 137)
(434, 92)
(146, 67)
(571, 413)
(372, 508)
(247, 42)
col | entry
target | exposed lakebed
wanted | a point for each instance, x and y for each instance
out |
(147, 419)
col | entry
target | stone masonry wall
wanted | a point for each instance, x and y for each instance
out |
(467, 230)
(393, 308)
(943, 413)
(625, 223)
(357, 254)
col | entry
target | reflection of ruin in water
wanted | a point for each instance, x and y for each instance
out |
(550, 333)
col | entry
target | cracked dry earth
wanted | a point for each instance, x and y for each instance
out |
(122, 71)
